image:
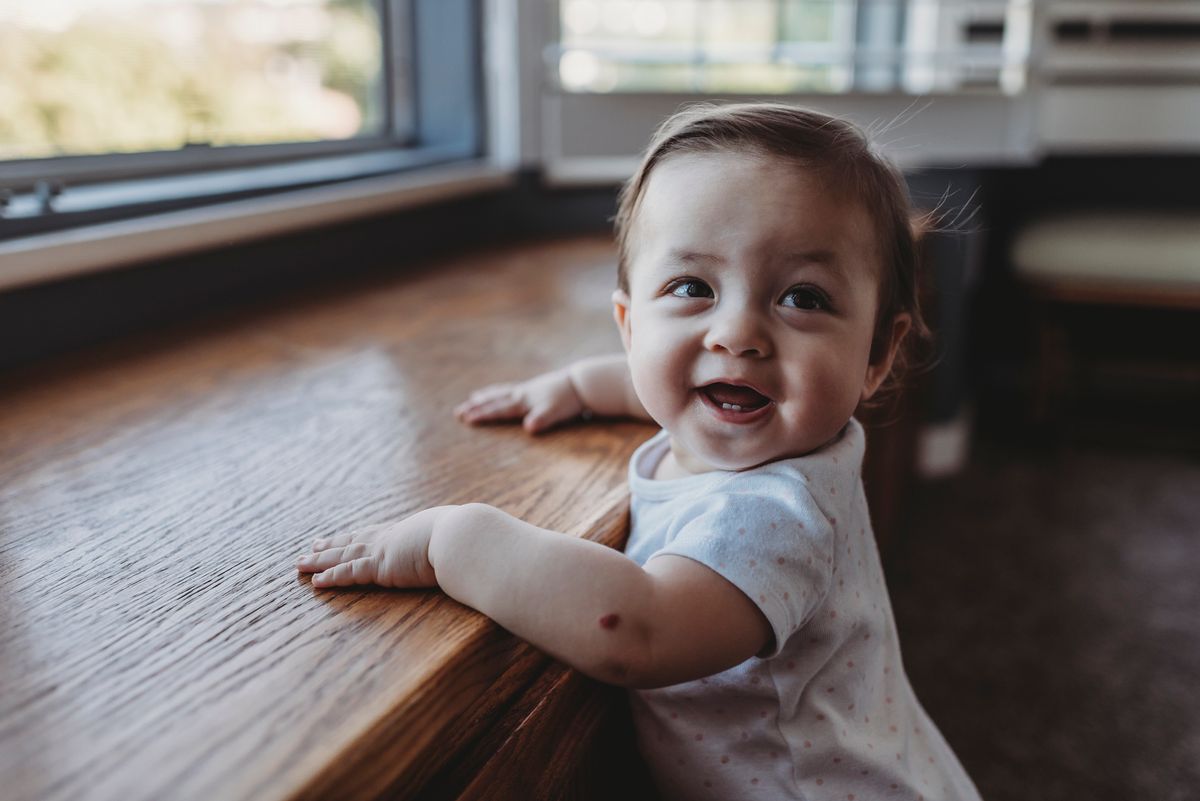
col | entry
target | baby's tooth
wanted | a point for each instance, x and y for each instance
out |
(731, 406)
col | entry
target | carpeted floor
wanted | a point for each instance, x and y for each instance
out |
(1049, 609)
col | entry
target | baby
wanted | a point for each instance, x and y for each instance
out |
(767, 283)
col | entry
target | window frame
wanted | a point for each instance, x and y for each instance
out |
(596, 138)
(877, 46)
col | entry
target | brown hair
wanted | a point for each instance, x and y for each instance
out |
(835, 150)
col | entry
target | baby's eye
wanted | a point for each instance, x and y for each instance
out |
(806, 297)
(689, 288)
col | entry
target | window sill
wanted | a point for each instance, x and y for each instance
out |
(89, 248)
(268, 429)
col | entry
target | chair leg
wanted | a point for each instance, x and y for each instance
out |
(1053, 361)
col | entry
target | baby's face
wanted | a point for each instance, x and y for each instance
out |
(751, 308)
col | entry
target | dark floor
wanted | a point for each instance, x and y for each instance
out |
(1048, 602)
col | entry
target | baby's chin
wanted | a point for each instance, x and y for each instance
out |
(703, 458)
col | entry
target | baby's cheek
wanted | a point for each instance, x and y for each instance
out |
(829, 388)
(658, 379)
(645, 387)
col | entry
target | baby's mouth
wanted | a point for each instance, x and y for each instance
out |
(734, 398)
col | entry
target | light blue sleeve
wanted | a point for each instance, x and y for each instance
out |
(770, 540)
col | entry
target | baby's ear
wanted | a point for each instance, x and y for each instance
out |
(620, 299)
(878, 370)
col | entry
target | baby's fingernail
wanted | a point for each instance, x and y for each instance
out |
(319, 543)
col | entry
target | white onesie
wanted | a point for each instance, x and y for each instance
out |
(826, 711)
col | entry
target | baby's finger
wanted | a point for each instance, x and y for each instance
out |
(325, 543)
(323, 560)
(358, 571)
(539, 420)
(363, 534)
(491, 393)
(486, 394)
(467, 410)
(496, 409)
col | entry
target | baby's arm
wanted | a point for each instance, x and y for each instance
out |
(599, 385)
(579, 601)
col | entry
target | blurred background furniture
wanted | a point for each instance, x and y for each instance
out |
(1106, 261)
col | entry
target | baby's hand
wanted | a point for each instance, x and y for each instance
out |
(392, 554)
(539, 403)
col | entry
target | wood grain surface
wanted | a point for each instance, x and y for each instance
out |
(155, 639)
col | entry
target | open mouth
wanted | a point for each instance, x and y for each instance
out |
(734, 401)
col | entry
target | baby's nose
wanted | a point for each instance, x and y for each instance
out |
(739, 335)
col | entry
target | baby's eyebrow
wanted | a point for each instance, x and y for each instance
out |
(819, 256)
(824, 260)
(827, 257)
(694, 257)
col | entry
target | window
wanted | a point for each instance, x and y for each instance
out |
(791, 46)
(127, 76)
(116, 108)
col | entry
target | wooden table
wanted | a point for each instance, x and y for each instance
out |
(155, 639)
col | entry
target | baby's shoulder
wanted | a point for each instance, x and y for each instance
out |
(829, 476)
(778, 493)
(786, 479)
